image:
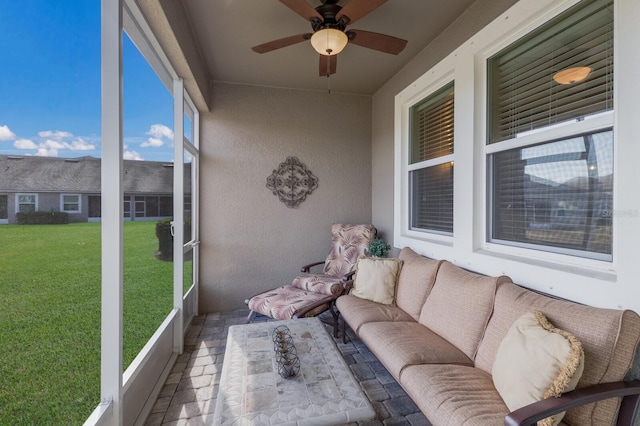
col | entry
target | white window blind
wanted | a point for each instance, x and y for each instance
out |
(523, 93)
(557, 194)
(431, 185)
(432, 126)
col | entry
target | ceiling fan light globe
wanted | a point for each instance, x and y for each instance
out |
(572, 75)
(329, 41)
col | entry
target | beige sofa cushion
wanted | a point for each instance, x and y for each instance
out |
(459, 306)
(401, 344)
(536, 361)
(609, 338)
(415, 282)
(454, 395)
(376, 279)
(356, 311)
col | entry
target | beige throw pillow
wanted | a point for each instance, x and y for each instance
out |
(536, 361)
(376, 279)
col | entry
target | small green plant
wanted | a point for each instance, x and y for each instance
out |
(379, 248)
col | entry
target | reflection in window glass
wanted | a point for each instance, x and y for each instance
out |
(557, 195)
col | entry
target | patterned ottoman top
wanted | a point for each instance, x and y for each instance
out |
(253, 393)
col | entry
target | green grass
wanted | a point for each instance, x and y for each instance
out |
(50, 282)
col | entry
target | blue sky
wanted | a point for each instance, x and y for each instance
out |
(50, 85)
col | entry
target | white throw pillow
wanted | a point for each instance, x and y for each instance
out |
(536, 361)
(376, 279)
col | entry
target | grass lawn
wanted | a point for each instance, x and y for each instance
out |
(50, 282)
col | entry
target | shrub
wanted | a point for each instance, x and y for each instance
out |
(42, 218)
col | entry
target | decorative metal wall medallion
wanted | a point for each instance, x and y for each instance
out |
(292, 182)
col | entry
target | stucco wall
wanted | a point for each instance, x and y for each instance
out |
(250, 240)
(478, 15)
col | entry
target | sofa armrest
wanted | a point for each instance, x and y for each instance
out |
(629, 391)
(306, 268)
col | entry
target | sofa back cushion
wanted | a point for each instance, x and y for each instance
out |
(415, 282)
(609, 338)
(459, 306)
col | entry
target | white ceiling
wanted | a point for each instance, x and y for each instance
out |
(226, 30)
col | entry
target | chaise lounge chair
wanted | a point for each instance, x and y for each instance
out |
(311, 294)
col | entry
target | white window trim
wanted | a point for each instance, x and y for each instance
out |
(469, 246)
(62, 203)
(18, 203)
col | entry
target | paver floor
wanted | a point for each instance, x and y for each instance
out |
(189, 394)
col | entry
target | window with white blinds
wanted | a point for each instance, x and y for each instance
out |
(556, 193)
(523, 94)
(431, 162)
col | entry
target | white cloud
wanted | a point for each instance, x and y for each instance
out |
(25, 144)
(47, 152)
(132, 155)
(152, 142)
(81, 145)
(54, 143)
(160, 131)
(57, 134)
(6, 134)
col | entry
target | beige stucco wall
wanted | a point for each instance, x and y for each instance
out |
(250, 240)
(478, 15)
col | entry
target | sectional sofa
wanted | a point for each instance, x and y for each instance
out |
(449, 333)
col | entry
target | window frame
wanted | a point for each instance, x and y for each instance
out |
(566, 129)
(30, 194)
(430, 83)
(79, 203)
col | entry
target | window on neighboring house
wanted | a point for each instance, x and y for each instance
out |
(4, 207)
(70, 203)
(550, 141)
(431, 162)
(26, 203)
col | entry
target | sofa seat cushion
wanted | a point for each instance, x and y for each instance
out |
(401, 344)
(459, 306)
(454, 395)
(415, 282)
(608, 337)
(356, 311)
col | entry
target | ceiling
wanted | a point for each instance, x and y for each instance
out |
(225, 31)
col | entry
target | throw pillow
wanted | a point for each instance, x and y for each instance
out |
(536, 361)
(376, 279)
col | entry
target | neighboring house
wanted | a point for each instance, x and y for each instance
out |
(72, 185)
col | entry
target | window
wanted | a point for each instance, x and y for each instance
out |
(70, 203)
(26, 203)
(550, 141)
(431, 162)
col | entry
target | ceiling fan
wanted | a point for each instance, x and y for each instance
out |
(329, 22)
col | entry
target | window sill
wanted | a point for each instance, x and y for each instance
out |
(591, 270)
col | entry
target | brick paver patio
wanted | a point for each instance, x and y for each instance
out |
(189, 394)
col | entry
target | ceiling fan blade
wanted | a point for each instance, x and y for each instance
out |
(376, 41)
(327, 65)
(302, 8)
(280, 43)
(356, 9)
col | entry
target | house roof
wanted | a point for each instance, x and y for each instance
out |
(82, 175)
